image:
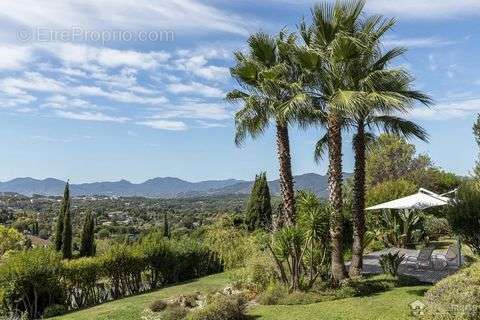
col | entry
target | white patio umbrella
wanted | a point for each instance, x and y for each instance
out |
(423, 199)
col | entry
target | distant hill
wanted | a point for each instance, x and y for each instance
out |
(167, 187)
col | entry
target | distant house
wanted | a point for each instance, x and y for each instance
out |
(38, 242)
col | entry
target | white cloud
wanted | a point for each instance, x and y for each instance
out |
(198, 65)
(207, 124)
(89, 116)
(448, 110)
(196, 110)
(196, 88)
(14, 57)
(430, 9)
(80, 55)
(430, 42)
(165, 125)
(185, 15)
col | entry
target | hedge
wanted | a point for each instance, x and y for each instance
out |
(32, 280)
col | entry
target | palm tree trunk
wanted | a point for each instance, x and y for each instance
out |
(286, 178)
(335, 177)
(358, 201)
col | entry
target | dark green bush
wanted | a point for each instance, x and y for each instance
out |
(436, 227)
(54, 311)
(221, 307)
(157, 305)
(464, 216)
(456, 297)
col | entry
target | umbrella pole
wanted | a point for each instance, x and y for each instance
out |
(459, 254)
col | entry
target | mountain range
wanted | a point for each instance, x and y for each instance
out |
(166, 187)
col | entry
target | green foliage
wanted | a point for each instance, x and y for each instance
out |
(436, 227)
(171, 312)
(221, 307)
(29, 281)
(166, 226)
(103, 234)
(259, 272)
(259, 209)
(456, 297)
(87, 243)
(54, 310)
(231, 244)
(123, 266)
(390, 190)
(390, 262)
(476, 133)
(81, 280)
(67, 234)
(390, 157)
(464, 216)
(273, 294)
(10, 239)
(401, 228)
(158, 305)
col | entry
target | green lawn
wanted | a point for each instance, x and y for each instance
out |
(392, 304)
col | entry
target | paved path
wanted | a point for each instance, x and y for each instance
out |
(371, 265)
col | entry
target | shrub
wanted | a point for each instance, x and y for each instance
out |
(390, 262)
(464, 216)
(221, 307)
(232, 245)
(30, 281)
(436, 227)
(455, 297)
(273, 294)
(258, 273)
(81, 278)
(157, 305)
(173, 312)
(123, 265)
(54, 311)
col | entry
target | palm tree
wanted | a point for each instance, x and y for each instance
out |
(271, 93)
(387, 92)
(331, 49)
(383, 92)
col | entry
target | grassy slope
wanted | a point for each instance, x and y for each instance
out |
(388, 305)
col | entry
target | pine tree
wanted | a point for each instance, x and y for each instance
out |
(67, 225)
(166, 226)
(87, 245)
(61, 217)
(476, 133)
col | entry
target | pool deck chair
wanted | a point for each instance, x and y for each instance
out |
(450, 258)
(423, 260)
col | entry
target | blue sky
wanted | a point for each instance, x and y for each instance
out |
(76, 103)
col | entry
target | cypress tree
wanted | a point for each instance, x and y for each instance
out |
(61, 217)
(476, 133)
(265, 214)
(87, 245)
(67, 225)
(166, 226)
(252, 213)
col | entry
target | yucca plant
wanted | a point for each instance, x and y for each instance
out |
(390, 262)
